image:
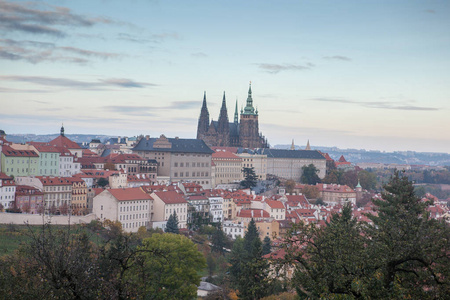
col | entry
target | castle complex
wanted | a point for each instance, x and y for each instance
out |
(243, 132)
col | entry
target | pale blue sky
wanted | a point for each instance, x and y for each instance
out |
(352, 74)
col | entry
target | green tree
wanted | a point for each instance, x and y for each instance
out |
(250, 178)
(309, 174)
(218, 241)
(172, 224)
(249, 271)
(410, 252)
(102, 182)
(368, 180)
(173, 275)
(266, 246)
(325, 265)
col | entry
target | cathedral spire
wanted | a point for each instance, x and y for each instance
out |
(204, 101)
(223, 117)
(308, 147)
(62, 129)
(292, 145)
(203, 120)
(236, 114)
(249, 109)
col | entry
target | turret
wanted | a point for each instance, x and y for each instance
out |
(62, 130)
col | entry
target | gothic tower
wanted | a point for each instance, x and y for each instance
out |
(203, 120)
(248, 128)
(223, 126)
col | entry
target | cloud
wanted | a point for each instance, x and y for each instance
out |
(338, 57)
(71, 83)
(199, 55)
(380, 104)
(39, 18)
(127, 83)
(430, 11)
(275, 68)
(89, 52)
(183, 105)
(152, 38)
(149, 110)
(36, 52)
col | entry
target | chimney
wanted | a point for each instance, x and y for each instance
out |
(147, 137)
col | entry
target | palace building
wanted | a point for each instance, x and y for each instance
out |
(242, 132)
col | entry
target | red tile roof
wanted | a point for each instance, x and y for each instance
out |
(275, 204)
(10, 152)
(44, 147)
(129, 194)
(64, 142)
(170, 197)
(225, 154)
(50, 181)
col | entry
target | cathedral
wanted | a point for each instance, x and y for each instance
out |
(242, 132)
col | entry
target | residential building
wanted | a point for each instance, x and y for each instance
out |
(48, 159)
(29, 199)
(79, 203)
(233, 228)
(7, 192)
(132, 207)
(19, 162)
(57, 192)
(167, 203)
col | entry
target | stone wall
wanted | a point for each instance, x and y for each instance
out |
(20, 219)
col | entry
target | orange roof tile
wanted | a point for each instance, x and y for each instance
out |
(170, 197)
(129, 194)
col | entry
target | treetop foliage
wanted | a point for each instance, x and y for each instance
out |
(401, 253)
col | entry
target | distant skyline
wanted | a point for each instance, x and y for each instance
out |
(368, 75)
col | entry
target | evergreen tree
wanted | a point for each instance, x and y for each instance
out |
(409, 251)
(329, 261)
(250, 178)
(172, 224)
(251, 238)
(309, 174)
(249, 271)
(267, 246)
(218, 241)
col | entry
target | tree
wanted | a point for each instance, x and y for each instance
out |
(218, 241)
(368, 180)
(266, 246)
(309, 174)
(325, 265)
(249, 271)
(172, 275)
(250, 178)
(410, 251)
(349, 178)
(311, 192)
(290, 185)
(172, 224)
(102, 182)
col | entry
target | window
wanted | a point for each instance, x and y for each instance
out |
(175, 174)
(175, 164)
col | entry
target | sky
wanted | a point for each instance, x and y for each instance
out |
(371, 75)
